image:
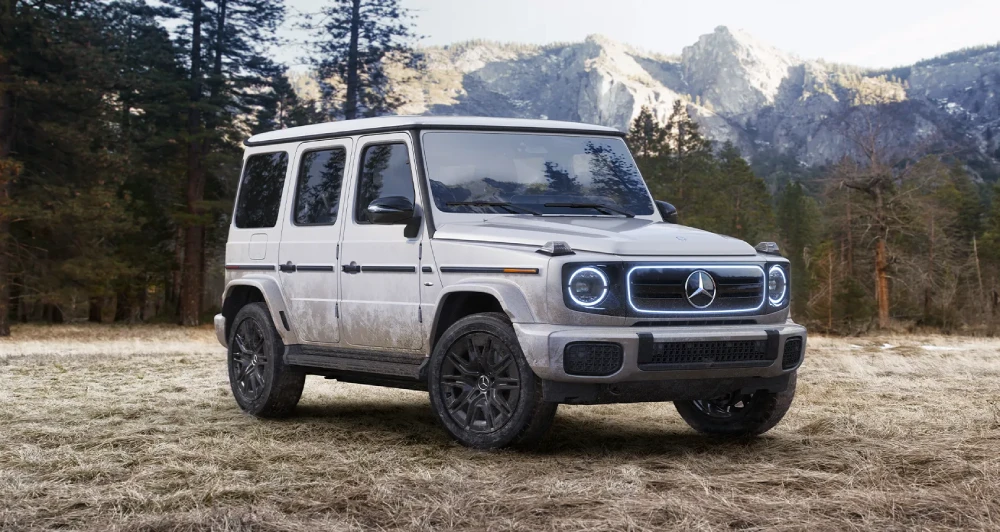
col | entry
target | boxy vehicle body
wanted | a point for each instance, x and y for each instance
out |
(505, 266)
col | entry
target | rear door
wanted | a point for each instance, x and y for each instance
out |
(380, 298)
(309, 242)
(252, 246)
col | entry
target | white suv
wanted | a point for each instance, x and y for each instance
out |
(505, 266)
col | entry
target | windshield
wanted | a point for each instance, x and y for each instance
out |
(473, 172)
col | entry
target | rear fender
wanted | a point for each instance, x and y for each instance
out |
(269, 288)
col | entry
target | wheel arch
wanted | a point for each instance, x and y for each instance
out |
(463, 299)
(240, 292)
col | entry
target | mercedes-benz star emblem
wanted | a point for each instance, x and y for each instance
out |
(700, 289)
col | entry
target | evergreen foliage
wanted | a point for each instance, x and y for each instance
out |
(120, 124)
(356, 41)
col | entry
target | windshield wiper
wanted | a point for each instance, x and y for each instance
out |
(505, 205)
(604, 209)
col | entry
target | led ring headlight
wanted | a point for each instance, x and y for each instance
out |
(777, 286)
(588, 286)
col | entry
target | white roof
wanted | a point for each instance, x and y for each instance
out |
(389, 123)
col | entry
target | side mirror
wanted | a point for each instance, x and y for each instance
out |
(667, 211)
(389, 210)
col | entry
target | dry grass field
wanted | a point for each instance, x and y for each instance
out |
(108, 428)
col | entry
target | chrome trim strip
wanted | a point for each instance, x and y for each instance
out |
(707, 267)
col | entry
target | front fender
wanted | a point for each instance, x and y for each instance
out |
(271, 291)
(509, 294)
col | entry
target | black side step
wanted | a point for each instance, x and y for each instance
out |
(356, 363)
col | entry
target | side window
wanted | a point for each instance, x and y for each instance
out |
(260, 190)
(317, 196)
(384, 172)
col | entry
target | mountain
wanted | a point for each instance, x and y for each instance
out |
(739, 88)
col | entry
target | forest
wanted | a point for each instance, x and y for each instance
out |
(121, 125)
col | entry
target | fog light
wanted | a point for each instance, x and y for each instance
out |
(792, 353)
(595, 359)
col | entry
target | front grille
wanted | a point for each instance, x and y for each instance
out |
(792, 353)
(674, 355)
(659, 289)
(595, 359)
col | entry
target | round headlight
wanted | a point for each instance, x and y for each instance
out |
(588, 286)
(777, 285)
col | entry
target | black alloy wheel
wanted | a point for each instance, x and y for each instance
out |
(263, 385)
(482, 389)
(725, 407)
(481, 383)
(249, 360)
(738, 414)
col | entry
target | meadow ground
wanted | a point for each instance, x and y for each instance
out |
(114, 428)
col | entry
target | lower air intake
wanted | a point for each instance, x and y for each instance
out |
(792, 353)
(735, 353)
(592, 359)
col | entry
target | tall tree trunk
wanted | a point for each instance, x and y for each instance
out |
(829, 291)
(351, 101)
(194, 232)
(850, 236)
(979, 271)
(881, 260)
(94, 307)
(8, 171)
(882, 282)
(930, 275)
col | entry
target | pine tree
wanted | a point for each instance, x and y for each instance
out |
(745, 211)
(356, 42)
(691, 161)
(224, 42)
(58, 73)
(280, 108)
(647, 138)
(797, 218)
(151, 96)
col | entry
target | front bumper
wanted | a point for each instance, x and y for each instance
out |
(220, 329)
(544, 344)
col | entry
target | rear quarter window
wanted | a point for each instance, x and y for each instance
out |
(260, 190)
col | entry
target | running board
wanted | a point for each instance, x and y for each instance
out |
(357, 363)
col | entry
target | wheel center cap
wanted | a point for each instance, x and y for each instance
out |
(484, 383)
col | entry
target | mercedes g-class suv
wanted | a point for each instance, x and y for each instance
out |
(505, 266)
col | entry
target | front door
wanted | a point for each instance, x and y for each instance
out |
(307, 258)
(380, 286)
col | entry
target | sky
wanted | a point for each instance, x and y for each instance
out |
(868, 33)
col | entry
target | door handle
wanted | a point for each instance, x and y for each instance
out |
(353, 267)
(287, 267)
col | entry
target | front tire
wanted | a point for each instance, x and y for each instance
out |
(481, 388)
(263, 385)
(738, 415)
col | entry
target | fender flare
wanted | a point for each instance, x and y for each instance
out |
(511, 298)
(273, 298)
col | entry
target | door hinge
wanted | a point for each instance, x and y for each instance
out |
(420, 251)
(420, 314)
(338, 251)
(336, 310)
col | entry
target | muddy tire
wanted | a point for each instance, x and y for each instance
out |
(481, 388)
(263, 385)
(748, 415)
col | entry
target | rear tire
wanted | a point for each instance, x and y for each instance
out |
(748, 415)
(263, 385)
(481, 388)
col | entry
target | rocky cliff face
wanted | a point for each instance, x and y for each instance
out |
(737, 87)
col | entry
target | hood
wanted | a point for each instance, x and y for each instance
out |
(613, 235)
